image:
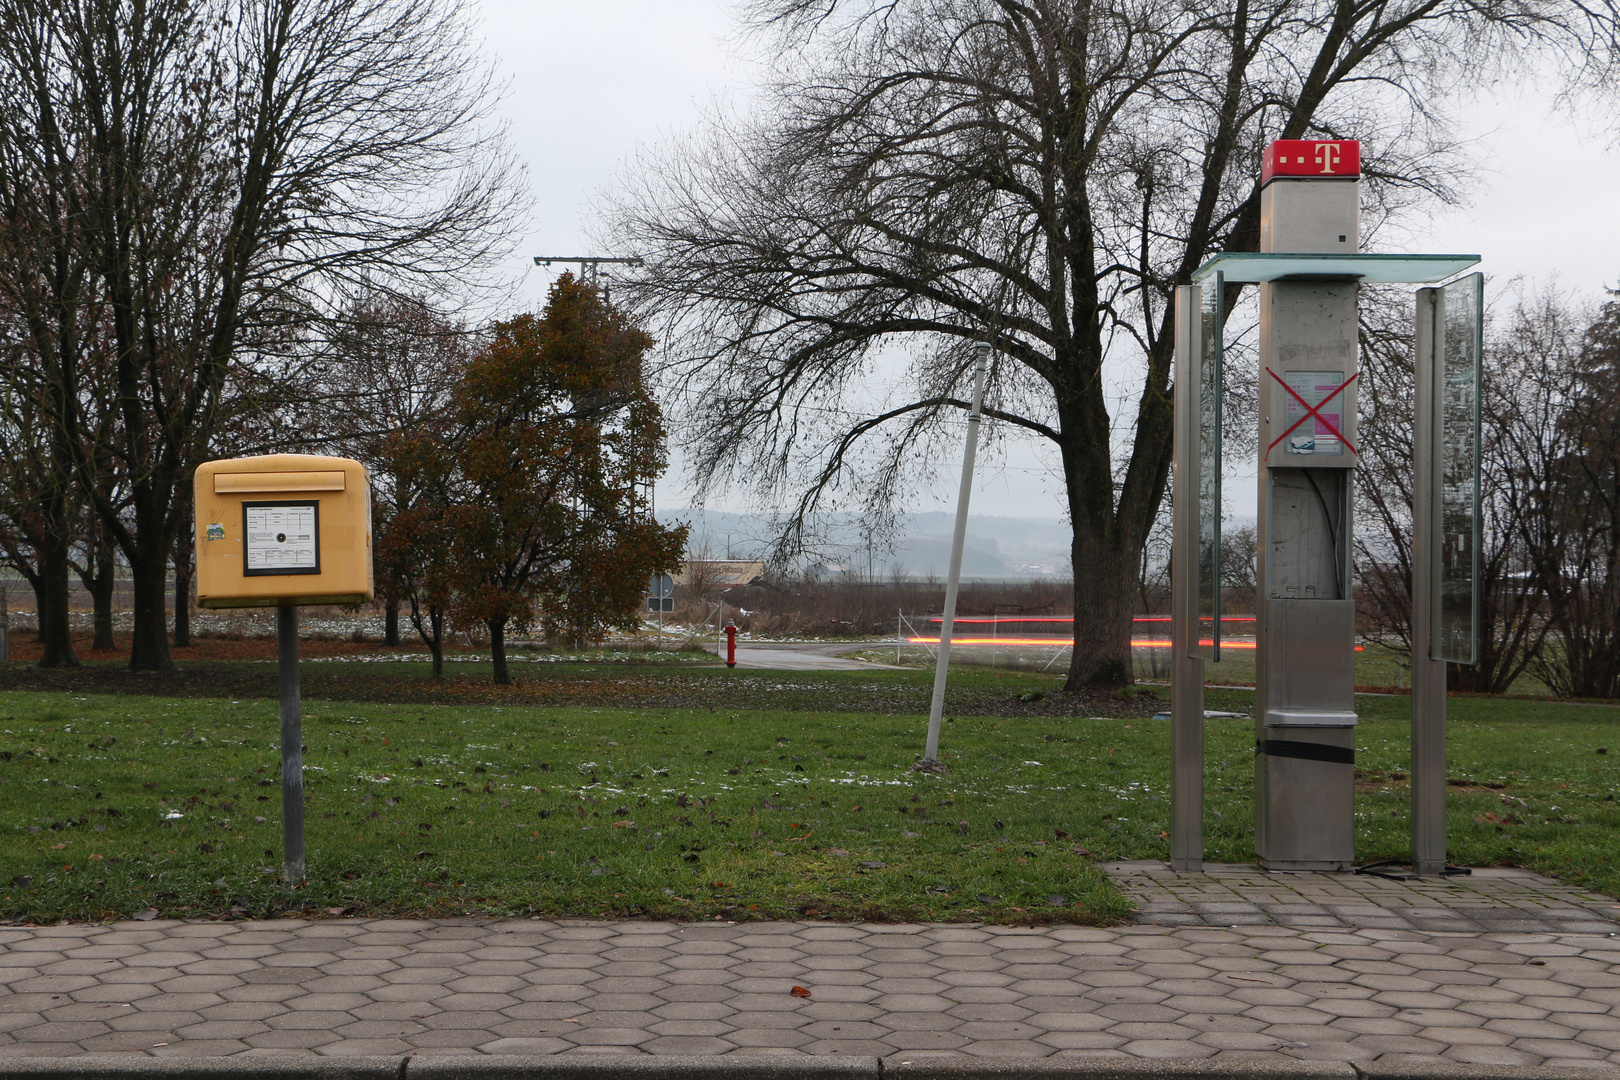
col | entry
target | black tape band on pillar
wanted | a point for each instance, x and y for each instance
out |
(1306, 751)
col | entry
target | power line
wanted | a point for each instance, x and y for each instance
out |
(588, 264)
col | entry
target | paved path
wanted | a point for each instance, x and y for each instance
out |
(1482, 901)
(806, 657)
(404, 987)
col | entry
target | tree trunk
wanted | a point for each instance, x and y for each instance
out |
(146, 548)
(391, 623)
(1104, 601)
(37, 583)
(1107, 565)
(436, 643)
(97, 575)
(149, 645)
(431, 632)
(497, 650)
(182, 589)
(100, 585)
(55, 631)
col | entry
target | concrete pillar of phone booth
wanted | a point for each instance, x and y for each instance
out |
(1305, 614)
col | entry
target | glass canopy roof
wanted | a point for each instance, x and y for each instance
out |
(1252, 267)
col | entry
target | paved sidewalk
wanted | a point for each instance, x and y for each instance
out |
(1482, 901)
(398, 987)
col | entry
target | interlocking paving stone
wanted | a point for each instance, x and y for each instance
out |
(1396, 992)
(1224, 895)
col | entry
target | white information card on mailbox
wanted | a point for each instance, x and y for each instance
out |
(282, 538)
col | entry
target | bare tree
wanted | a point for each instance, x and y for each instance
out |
(1240, 568)
(52, 317)
(230, 166)
(1038, 174)
(389, 372)
(1154, 585)
(96, 565)
(1572, 523)
(37, 511)
(1521, 406)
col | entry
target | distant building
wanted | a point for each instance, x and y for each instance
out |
(720, 573)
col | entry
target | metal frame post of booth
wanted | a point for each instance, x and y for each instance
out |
(1428, 674)
(1447, 370)
(1186, 668)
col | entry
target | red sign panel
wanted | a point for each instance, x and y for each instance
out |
(1312, 158)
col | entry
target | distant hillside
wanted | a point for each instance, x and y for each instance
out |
(996, 546)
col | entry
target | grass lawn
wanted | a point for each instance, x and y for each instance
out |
(682, 791)
(340, 671)
(1377, 668)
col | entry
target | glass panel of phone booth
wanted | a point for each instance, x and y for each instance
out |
(1459, 328)
(1206, 642)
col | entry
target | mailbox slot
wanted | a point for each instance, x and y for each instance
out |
(246, 483)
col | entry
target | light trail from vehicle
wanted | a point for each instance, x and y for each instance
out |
(1136, 643)
(996, 619)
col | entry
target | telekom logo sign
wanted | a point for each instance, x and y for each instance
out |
(1314, 158)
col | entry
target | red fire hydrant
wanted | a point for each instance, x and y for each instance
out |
(731, 644)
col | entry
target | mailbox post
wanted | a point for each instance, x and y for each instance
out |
(1309, 271)
(284, 530)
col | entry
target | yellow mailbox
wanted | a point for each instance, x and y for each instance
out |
(283, 530)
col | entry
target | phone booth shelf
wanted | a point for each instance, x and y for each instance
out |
(281, 531)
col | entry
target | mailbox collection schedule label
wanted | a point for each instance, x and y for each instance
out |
(281, 538)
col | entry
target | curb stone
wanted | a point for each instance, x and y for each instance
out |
(1372, 1070)
(737, 1067)
(1114, 1068)
(144, 1067)
(640, 1067)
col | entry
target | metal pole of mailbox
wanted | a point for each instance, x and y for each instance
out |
(292, 748)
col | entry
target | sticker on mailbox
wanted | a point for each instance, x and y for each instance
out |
(216, 531)
(281, 538)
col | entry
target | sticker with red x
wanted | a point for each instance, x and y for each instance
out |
(1327, 423)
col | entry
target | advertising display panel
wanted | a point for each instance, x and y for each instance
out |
(1459, 332)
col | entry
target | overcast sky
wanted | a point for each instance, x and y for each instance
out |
(590, 82)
